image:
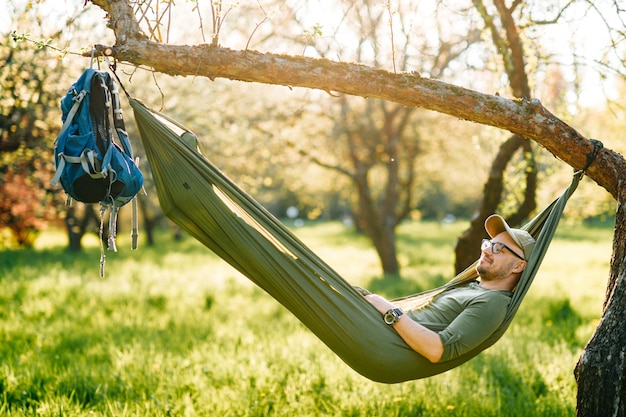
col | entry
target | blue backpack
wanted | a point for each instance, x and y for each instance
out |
(90, 165)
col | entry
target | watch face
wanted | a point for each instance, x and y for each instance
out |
(392, 316)
(388, 317)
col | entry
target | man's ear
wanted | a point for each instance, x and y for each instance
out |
(519, 266)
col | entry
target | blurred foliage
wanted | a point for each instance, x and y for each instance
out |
(26, 205)
(28, 121)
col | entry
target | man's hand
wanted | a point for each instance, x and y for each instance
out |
(381, 304)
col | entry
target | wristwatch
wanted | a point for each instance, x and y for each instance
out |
(392, 315)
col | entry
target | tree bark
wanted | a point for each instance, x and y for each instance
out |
(601, 369)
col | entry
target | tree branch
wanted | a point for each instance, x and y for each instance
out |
(527, 118)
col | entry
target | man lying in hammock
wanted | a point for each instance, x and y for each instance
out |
(460, 319)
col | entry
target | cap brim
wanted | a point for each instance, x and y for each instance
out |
(495, 224)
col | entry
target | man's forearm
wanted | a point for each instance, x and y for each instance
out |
(422, 340)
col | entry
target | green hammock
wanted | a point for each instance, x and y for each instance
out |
(204, 202)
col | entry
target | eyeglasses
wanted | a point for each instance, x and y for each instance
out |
(496, 247)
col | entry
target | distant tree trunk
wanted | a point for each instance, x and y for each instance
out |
(467, 247)
(77, 222)
(379, 211)
(151, 217)
(380, 203)
(387, 251)
(379, 226)
(148, 225)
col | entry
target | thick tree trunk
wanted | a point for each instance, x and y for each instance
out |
(600, 371)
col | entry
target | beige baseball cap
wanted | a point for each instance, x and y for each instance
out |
(495, 224)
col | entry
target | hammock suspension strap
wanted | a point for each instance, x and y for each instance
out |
(591, 156)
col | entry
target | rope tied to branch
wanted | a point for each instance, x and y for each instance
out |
(591, 156)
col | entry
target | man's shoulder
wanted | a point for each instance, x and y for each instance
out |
(493, 298)
(487, 292)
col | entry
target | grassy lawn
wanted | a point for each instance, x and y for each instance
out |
(173, 331)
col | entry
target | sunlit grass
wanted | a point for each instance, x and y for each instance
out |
(173, 330)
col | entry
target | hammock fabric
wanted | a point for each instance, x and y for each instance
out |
(203, 201)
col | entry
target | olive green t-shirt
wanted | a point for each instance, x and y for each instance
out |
(463, 317)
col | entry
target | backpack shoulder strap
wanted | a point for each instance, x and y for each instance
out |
(120, 128)
(70, 115)
(100, 102)
(118, 117)
(74, 96)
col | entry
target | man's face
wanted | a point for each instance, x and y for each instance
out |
(494, 266)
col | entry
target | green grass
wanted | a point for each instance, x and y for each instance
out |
(173, 331)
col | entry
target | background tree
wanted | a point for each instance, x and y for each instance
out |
(376, 144)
